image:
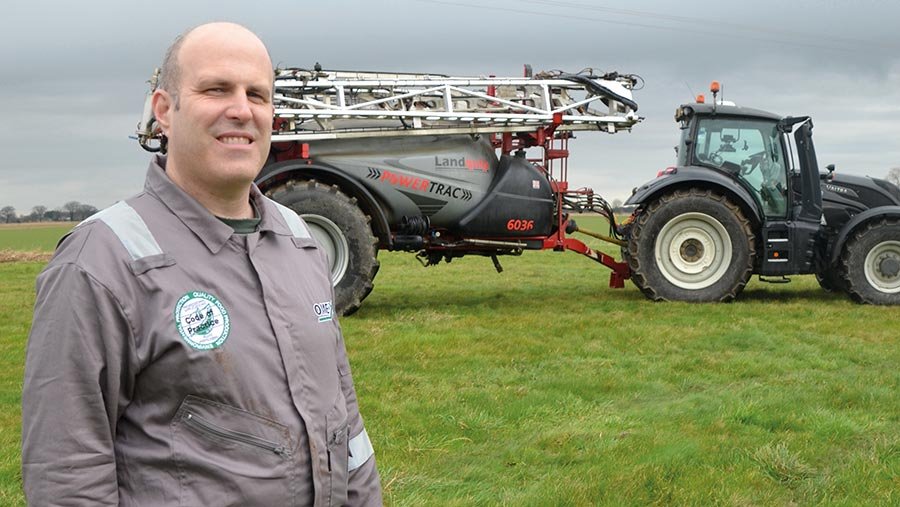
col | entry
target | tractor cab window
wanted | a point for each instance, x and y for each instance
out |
(752, 151)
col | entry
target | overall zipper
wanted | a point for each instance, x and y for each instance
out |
(203, 425)
(332, 442)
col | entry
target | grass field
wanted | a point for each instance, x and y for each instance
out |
(541, 386)
(42, 236)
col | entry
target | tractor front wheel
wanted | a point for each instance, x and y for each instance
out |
(871, 263)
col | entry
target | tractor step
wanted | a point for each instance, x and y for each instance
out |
(769, 279)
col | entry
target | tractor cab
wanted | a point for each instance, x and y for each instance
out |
(744, 144)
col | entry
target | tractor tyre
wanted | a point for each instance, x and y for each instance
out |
(691, 245)
(831, 281)
(626, 258)
(871, 263)
(342, 230)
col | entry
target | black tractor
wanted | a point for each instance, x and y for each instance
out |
(747, 197)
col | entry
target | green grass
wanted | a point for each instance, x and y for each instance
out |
(32, 236)
(16, 304)
(541, 386)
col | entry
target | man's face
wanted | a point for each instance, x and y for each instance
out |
(219, 127)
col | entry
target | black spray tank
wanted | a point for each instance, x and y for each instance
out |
(519, 203)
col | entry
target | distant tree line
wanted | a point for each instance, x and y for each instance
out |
(71, 211)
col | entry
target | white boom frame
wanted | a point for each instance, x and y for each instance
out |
(313, 105)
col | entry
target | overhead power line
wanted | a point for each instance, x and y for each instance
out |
(705, 22)
(861, 45)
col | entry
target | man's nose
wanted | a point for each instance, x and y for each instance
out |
(239, 108)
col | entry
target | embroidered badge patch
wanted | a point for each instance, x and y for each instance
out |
(323, 311)
(202, 320)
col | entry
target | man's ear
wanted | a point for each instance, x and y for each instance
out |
(163, 103)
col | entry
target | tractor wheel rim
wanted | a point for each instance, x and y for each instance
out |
(693, 251)
(886, 253)
(333, 241)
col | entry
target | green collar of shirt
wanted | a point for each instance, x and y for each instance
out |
(243, 225)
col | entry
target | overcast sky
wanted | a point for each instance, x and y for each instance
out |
(73, 74)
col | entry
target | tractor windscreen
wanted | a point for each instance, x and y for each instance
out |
(750, 149)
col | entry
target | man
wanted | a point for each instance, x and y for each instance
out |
(184, 349)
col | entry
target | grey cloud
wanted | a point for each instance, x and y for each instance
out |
(72, 75)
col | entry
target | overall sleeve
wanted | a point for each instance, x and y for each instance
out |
(76, 369)
(364, 484)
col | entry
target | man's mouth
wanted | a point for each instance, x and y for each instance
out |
(235, 140)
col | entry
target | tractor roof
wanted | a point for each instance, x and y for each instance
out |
(731, 110)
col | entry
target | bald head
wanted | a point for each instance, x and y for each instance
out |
(203, 35)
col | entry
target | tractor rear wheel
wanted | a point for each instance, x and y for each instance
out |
(871, 263)
(342, 230)
(691, 245)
